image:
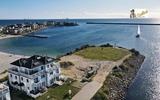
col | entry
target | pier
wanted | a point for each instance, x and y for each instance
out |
(123, 23)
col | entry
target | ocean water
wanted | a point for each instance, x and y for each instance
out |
(146, 85)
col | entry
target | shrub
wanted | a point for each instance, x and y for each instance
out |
(106, 45)
(134, 51)
(100, 96)
(123, 67)
(66, 65)
(4, 79)
(116, 69)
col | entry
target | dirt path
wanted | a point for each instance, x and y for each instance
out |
(88, 91)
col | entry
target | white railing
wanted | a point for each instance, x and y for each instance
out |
(11, 70)
(4, 90)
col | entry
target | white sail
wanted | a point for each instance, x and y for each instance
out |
(138, 30)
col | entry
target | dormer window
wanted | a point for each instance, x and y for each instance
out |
(51, 73)
(22, 78)
(42, 68)
(27, 80)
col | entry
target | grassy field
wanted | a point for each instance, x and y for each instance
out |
(103, 53)
(59, 92)
(54, 92)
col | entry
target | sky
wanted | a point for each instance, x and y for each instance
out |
(60, 9)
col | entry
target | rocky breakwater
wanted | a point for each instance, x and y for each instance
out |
(118, 81)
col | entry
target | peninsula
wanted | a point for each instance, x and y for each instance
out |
(97, 67)
(95, 72)
(30, 27)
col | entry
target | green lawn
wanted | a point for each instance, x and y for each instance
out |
(59, 92)
(103, 53)
(54, 92)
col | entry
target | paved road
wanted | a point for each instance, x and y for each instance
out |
(88, 91)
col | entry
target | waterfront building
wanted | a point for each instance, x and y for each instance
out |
(1, 28)
(34, 74)
(34, 26)
(4, 92)
(27, 27)
(50, 23)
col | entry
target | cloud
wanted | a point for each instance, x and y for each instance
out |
(154, 13)
(86, 14)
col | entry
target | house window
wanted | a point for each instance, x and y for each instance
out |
(43, 84)
(36, 80)
(47, 66)
(42, 68)
(27, 80)
(51, 73)
(28, 88)
(51, 81)
(42, 76)
(51, 65)
(15, 77)
(57, 70)
(22, 78)
(10, 75)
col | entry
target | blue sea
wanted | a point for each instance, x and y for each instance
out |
(146, 85)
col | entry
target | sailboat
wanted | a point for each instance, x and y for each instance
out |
(138, 32)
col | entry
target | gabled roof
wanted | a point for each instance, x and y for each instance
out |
(33, 61)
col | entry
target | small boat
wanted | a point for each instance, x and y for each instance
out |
(138, 32)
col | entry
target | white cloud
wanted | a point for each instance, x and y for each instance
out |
(154, 13)
(86, 14)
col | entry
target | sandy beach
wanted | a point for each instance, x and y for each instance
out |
(8, 36)
(6, 59)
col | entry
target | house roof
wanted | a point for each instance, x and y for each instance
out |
(33, 61)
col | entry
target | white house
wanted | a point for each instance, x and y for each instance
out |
(50, 23)
(1, 28)
(33, 74)
(34, 26)
(4, 92)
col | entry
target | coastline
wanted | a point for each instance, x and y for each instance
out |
(7, 59)
(119, 79)
(9, 36)
(4, 36)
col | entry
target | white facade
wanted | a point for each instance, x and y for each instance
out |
(4, 92)
(32, 80)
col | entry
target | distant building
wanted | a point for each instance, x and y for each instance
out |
(27, 27)
(1, 28)
(4, 92)
(34, 26)
(34, 74)
(50, 23)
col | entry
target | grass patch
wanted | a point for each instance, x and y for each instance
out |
(3, 72)
(59, 92)
(25, 97)
(4, 79)
(103, 53)
(66, 65)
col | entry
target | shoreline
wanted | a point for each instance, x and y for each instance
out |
(120, 78)
(5, 36)
(7, 59)
(9, 36)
